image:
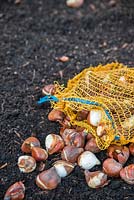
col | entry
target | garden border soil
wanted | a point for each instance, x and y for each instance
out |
(32, 35)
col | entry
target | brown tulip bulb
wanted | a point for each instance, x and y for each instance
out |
(66, 122)
(62, 130)
(91, 145)
(119, 153)
(39, 154)
(71, 137)
(96, 179)
(26, 164)
(48, 89)
(89, 136)
(29, 143)
(63, 168)
(82, 115)
(111, 167)
(127, 174)
(41, 166)
(71, 153)
(48, 179)
(54, 143)
(56, 115)
(15, 192)
(131, 149)
(111, 150)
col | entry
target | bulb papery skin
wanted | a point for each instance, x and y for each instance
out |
(73, 138)
(54, 143)
(26, 164)
(71, 153)
(63, 168)
(96, 179)
(88, 160)
(119, 153)
(94, 117)
(127, 174)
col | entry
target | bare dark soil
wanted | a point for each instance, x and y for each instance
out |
(32, 35)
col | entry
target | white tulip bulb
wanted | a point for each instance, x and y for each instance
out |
(94, 117)
(88, 160)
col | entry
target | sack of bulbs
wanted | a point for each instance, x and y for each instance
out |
(95, 112)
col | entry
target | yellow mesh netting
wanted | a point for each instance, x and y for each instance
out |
(109, 88)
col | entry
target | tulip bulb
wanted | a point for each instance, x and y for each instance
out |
(29, 143)
(96, 179)
(48, 89)
(74, 3)
(48, 180)
(89, 136)
(127, 174)
(91, 145)
(15, 192)
(119, 153)
(54, 143)
(66, 122)
(62, 130)
(71, 153)
(101, 130)
(88, 160)
(131, 149)
(128, 123)
(26, 164)
(39, 154)
(63, 58)
(94, 117)
(111, 167)
(63, 168)
(82, 115)
(56, 115)
(71, 137)
(41, 166)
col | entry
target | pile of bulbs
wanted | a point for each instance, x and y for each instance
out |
(77, 147)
